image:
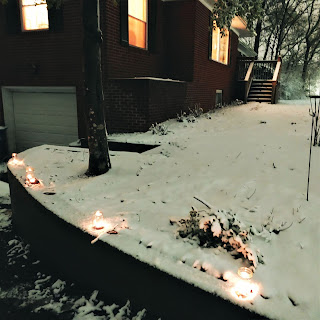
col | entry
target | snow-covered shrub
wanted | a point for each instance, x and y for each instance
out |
(197, 111)
(182, 116)
(159, 128)
(219, 228)
(194, 113)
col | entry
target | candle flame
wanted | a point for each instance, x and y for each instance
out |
(98, 221)
(245, 290)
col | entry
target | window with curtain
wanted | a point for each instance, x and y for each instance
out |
(34, 15)
(220, 46)
(137, 23)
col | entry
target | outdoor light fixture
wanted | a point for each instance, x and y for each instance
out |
(30, 178)
(98, 221)
(244, 289)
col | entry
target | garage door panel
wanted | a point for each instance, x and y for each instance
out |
(44, 118)
(25, 141)
(44, 130)
(42, 121)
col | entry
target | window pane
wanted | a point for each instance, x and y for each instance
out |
(138, 9)
(215, 44)
(224, 48)
(35, 17)
(137, 33)
(32, 2)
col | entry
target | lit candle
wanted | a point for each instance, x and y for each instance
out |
(14, 159)
(244, 289)
(98, 221)
(30, 178)
(245, 273)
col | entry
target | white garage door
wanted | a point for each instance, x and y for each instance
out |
(44, 118)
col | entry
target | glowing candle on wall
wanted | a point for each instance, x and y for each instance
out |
(243, 288)
(98, 221)
(30, 178)
(245, 273)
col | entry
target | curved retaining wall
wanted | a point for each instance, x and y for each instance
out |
(67, 251)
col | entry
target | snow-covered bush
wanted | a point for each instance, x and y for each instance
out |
(216, 228)
(159, 128)
(197, 111)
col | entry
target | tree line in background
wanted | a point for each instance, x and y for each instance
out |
(291, 28)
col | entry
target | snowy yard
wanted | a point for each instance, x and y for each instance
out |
(249, 162)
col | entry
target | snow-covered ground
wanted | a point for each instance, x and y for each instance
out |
(250, 160)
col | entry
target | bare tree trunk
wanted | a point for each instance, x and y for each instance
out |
(257, 38)
(305, 64)
(99, 160)
(258, 31)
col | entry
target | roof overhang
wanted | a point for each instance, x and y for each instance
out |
(246, 50)
(238, 25)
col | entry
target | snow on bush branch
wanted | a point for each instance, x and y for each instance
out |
(216, 228)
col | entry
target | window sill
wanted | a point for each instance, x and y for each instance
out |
(138, 49)
(221, 63)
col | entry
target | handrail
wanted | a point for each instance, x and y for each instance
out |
(277, 70)
(248, 81)
(275, 81)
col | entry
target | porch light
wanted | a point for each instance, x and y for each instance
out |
(98, 220)
(30, 178)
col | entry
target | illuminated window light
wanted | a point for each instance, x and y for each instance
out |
(220, 45)
(34, 15)
(137, 23)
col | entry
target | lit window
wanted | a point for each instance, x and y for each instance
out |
(34, 14)
(220, 45)
(137, 15)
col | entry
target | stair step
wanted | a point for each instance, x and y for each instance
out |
(263, 85)
(259, 99)
(260, 90)
(260, 95)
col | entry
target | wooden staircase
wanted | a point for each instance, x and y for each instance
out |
(261, 91)
(258, 80)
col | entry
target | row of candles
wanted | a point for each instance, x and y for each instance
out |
(98, 220)
(243, 290)
(30, 177)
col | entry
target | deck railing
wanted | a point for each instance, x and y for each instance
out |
(250, 69)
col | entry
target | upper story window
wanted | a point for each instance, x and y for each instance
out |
(220, 46)
(137, 23)
(34, 15)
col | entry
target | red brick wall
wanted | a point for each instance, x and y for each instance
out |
(135, 104)
(179, 20)
(57, 56)
(210, 75)
(128, 62)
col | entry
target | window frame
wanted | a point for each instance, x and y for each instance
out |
(146, 27)
(218, 45)
(22, 19)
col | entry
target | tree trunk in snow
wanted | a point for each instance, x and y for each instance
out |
(99, 160)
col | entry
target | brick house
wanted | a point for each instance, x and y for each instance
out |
(158, 58)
